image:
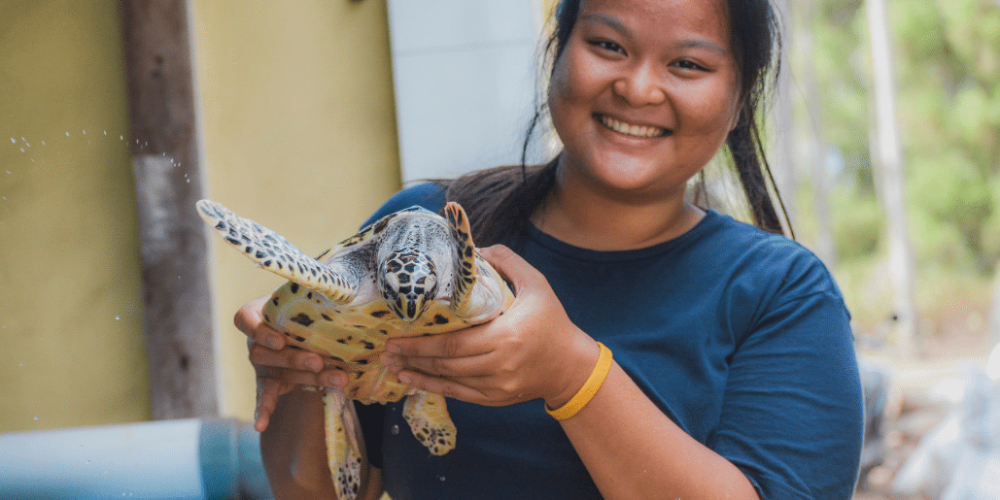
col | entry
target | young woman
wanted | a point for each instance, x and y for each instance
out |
(733, 373)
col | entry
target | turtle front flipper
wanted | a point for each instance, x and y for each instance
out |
(479, 292)
(427, 414)
(274, 253)
(343, 450)
(465, 270)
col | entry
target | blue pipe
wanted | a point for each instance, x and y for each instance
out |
(177, 459)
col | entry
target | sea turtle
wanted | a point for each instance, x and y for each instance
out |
(410, 273)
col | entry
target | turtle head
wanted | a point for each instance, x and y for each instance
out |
(407, 281)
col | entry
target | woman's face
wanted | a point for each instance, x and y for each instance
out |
(644, 93)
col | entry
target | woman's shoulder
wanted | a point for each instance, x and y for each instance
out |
(784, 265)
(428, 195)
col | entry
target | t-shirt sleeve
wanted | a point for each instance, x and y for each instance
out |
(430, 196)
(792, 418)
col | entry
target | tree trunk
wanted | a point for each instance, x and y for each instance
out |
(783, 137)
(825, 248)
(888, 158)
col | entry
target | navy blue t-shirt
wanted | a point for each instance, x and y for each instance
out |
(739, 336)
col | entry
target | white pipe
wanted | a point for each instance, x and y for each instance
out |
(177, 459)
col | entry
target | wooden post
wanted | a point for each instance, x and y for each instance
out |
(165, 160)
(889, 160)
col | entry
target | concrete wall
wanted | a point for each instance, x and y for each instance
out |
(299, 133)
(70, 298)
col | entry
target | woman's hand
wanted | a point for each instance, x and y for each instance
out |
(280, 369)
(531, 351)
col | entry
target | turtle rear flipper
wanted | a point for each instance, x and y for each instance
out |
(427, 414)
(274, 253)
(343, 450)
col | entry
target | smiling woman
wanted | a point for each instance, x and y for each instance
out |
(676, 352)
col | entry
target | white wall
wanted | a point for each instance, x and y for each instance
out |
(465, 78)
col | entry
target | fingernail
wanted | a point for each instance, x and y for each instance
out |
(334, 380)
(314, 365)
(388, 360)
(393, 348)
(404, 378)
(274, 342)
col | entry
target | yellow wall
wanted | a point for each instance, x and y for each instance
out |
(70, 300)
(299, 134)
(298, 130)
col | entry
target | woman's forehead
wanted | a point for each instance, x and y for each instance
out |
(705, 18)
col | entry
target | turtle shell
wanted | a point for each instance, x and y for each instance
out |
(336, 307)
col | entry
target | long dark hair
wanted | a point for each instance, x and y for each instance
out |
(500, 201)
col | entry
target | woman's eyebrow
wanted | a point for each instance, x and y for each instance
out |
(701, 43)
(623, 30)
(609, 21)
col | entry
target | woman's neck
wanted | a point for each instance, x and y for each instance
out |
(598, 220)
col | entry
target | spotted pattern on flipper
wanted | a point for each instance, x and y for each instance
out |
(274, 253)
(461, 233)
(427, 415)
(342, 447)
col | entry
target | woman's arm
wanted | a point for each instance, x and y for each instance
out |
(630, 448)
(293, 448)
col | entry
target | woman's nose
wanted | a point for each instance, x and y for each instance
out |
(641, 85)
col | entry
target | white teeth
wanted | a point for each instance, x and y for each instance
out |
(627, 129)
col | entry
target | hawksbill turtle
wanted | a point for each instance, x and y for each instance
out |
(409, 273)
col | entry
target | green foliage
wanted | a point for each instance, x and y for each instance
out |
(857, 222)
(947, 80)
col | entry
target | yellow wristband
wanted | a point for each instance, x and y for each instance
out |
(589, 389)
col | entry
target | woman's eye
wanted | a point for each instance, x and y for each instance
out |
(686, 64)
(606, 45)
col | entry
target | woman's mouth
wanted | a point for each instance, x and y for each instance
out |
(633, 130)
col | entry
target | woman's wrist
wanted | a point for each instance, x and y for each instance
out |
(578, 363)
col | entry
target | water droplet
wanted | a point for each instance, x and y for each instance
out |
(36, 417)
(189, 181)
(27, 144)
(121, 137)
(43, 143)
(118, 317)
(105, 132)
(22, 150)
(19, 364)
(394, 430)
(8, 173)
(84, 132)
(13, 140)
(67, 134)
(441, 478)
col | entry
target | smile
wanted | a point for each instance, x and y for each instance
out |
(630, 129)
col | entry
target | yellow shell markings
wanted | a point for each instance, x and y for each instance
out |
(354, 335)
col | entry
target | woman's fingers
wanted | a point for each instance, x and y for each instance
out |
(250, 320)
(454, 389)
(468, 342)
